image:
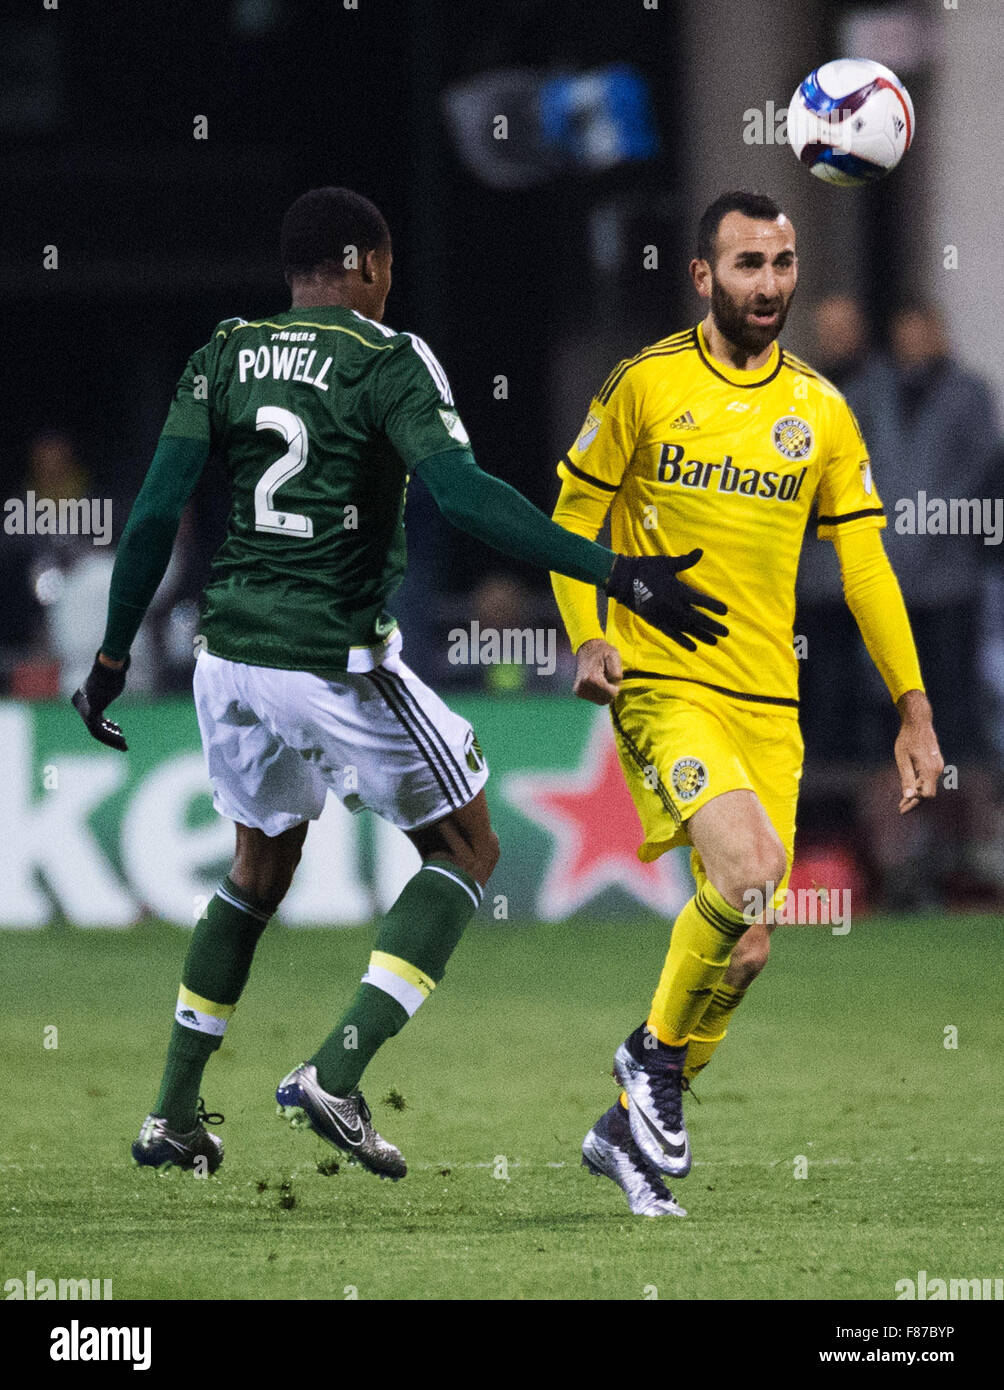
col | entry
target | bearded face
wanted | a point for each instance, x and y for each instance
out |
(751, 320)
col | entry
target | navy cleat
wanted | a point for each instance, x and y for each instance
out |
(652, 1075)
(342, 1120)
(609, 1151)
(160, 1147)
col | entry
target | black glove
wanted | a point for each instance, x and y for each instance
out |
(647, 584)
(101, 687)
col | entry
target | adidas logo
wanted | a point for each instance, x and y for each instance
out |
(642, 593)
(685, 421)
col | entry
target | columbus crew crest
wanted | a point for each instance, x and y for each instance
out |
(792, 437)
(688, 776)
(472, 752)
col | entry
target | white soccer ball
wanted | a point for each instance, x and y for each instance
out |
(851, 121)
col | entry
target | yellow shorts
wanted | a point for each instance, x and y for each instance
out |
(680, 751)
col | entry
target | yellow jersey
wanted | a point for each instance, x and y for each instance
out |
(690, 452)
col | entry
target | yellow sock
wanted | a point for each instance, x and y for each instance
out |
(712, 1028)
(700, 949)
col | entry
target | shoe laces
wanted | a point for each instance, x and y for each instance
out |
(686, 1086)
(666, 1087)
(208, 1117)
(364, 1109)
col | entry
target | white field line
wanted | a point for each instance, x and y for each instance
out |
(833, 1162)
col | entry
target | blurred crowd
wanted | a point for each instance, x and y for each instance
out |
(932, 434)
(57, 586)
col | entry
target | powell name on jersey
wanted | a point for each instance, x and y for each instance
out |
(320, 414)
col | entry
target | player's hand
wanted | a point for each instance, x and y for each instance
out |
(599, 671)
(648, 585)
(918, 756)
(102, 686)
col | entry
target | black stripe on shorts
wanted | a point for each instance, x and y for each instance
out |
(643, 764)
(422, 717)
(428, 753)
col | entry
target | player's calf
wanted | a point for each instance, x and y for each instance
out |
(414, 942)
(748, 958)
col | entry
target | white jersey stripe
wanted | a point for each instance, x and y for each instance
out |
(440, 369)
(387, 332)
(435, 370)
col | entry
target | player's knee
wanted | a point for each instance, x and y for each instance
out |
(477, 857)
(265, 886)
(753, 874)
(264, 869)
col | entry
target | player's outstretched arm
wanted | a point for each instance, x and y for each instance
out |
(497, 514)
(140, 563)
(873, 596)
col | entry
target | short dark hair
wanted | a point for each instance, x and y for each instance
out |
(749, 204)
(322, 223)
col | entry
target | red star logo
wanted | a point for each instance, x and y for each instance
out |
(596, 832)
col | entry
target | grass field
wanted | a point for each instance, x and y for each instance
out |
(837, 1055)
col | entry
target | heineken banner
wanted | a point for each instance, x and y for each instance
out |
(103, 840)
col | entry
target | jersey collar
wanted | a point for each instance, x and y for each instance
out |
(733, 375)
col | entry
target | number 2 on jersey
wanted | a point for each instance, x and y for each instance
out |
(293, 461)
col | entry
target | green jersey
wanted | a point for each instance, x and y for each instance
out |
(320, 414)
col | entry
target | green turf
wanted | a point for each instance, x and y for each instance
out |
(838, 1055)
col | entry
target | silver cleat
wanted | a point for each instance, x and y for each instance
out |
(656, 1112)
(609, 1151)
(344, 1121)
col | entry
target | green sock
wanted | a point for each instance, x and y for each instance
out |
(214, 974)
(415, 940)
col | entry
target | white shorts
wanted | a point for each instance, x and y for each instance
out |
(277, 741)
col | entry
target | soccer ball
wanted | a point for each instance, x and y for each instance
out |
(851, 121)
